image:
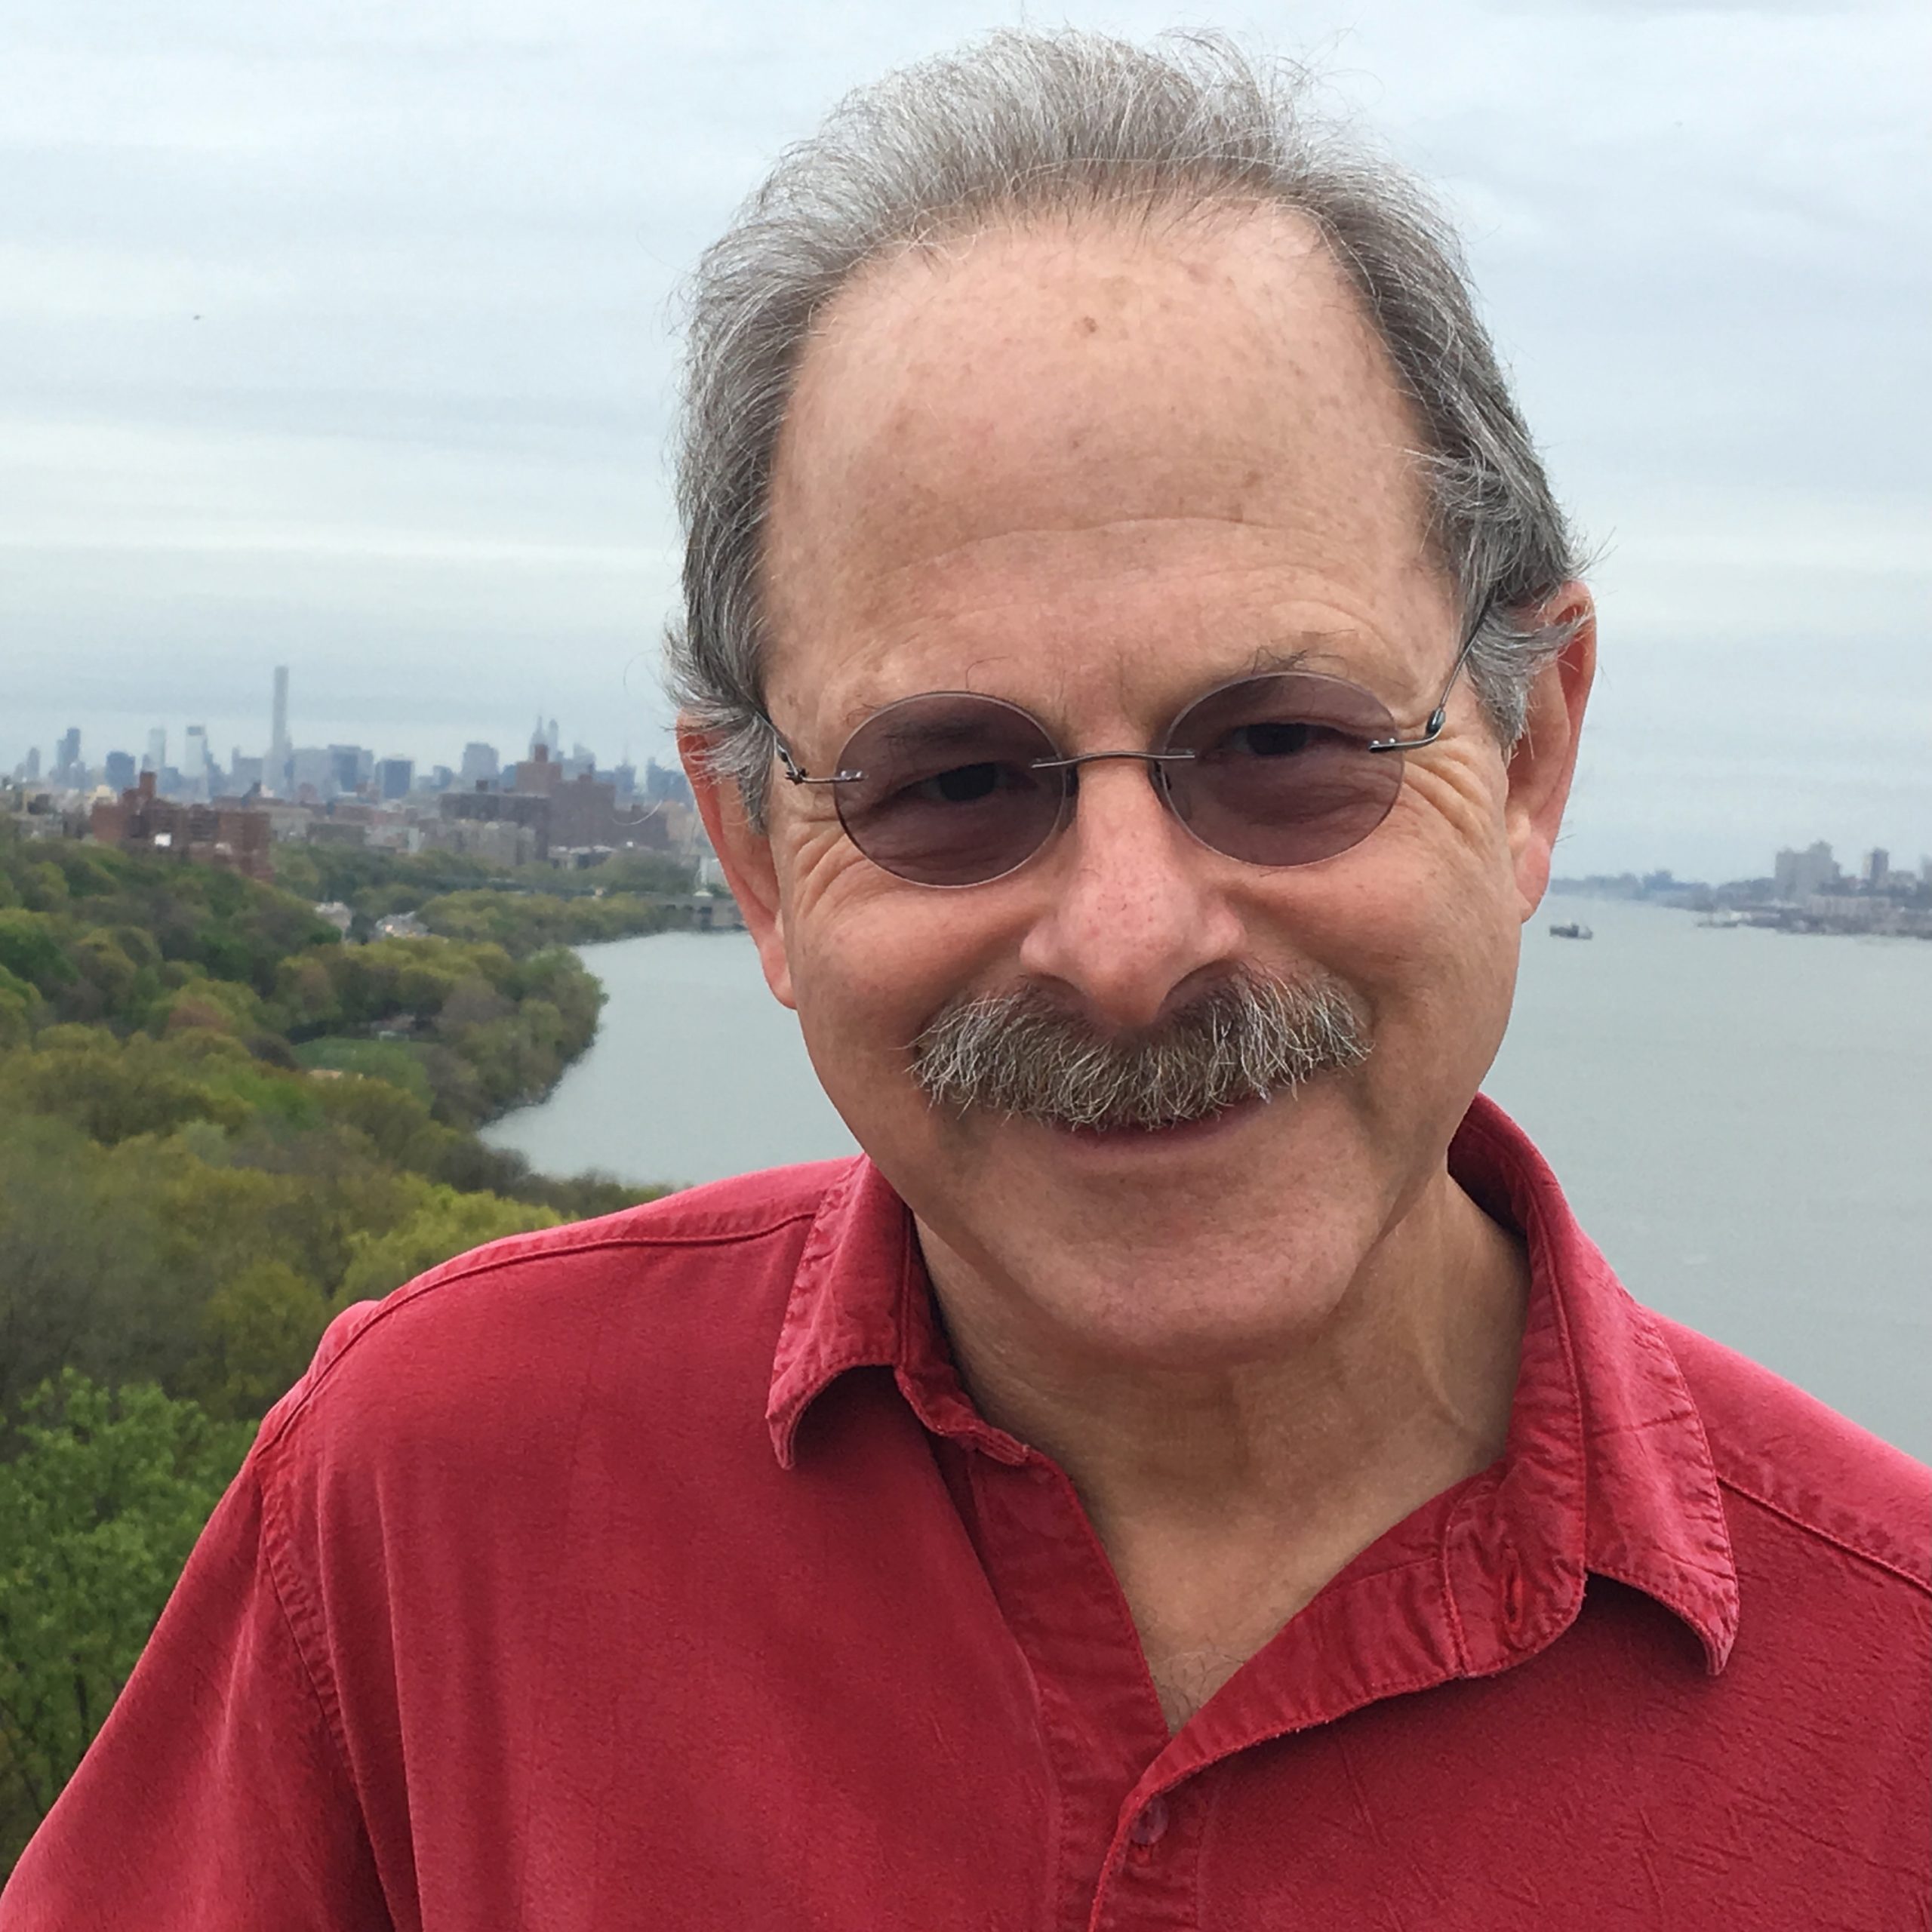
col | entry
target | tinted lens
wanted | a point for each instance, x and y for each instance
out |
(943, 791)
(1282, 774)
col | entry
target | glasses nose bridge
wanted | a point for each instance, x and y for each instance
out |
(1067, 769)
(1155, 761)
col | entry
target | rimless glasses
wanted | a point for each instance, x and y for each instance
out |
(952, 787)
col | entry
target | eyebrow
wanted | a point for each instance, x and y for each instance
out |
(1268, 658)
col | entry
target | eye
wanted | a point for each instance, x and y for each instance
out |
(962, 784)
(1273, 738)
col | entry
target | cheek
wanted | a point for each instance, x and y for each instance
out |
(872, 959)
(1421, 919)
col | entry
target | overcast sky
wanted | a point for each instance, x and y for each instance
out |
(343, 336)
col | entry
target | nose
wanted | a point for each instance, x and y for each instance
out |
(1134, 909)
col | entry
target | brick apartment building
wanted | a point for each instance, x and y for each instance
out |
(227, 834)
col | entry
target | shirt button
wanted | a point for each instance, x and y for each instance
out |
(1151, 1825)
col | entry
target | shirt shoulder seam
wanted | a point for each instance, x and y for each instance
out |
(275, 1558)
(1786, 1514)
(450, 1272)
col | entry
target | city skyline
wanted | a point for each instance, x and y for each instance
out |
(236, 731)
(281, 714)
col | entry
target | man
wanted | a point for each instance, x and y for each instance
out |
(1193, 1471)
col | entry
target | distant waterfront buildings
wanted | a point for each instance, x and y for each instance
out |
(1796, 876)
(1805, 892)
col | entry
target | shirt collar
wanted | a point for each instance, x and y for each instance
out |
(1606, 1470)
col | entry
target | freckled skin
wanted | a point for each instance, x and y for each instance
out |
(1095, 472)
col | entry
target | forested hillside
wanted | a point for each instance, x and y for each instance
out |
(221, 1124)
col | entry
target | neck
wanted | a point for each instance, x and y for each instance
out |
(1226, 1497)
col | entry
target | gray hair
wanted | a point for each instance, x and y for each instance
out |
(1025, 125)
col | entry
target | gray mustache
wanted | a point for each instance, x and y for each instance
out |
(1025, 1054)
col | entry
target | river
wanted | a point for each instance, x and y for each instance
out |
(1742, 1119)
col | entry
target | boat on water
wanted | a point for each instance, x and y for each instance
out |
(1571, 929)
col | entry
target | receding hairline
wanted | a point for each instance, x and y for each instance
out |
(1208, 216)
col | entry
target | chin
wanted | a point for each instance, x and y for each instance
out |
(1197, 1246)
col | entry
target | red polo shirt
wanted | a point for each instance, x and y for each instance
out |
(656, 1572)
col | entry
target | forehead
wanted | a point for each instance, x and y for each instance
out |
(1076, 426)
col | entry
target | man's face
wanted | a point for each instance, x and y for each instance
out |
(1095, 472)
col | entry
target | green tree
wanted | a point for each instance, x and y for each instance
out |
(447, 1224)
(98, 1511)
(260, 1328)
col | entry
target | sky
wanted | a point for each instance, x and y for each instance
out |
(345, 337)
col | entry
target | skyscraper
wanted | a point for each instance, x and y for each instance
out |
(156, 756)
(275, 775)
(67, 768)
(194, 761)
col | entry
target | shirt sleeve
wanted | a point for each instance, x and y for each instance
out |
(216, 1796)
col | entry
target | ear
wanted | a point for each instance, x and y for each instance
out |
(1544, 761)
(744, 851)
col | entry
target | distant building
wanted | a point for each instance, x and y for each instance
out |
(395, 776)
(312, 774)
(287, 820)
(154, 759)
(196, 777)
(1798, 876)
(441, 778)
(274, 778)
(663, 781)
(537, 775)
(460, 812)
(480, 766)
(496, 841)
(245, 774)
(584, 814)
(119, 773)
(142, 821)
(353, 768)
(1878, 864)
(30, 771)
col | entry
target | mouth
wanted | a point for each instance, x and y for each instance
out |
(1160, 1136)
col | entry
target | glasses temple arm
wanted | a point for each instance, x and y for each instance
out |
(1432, 729)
